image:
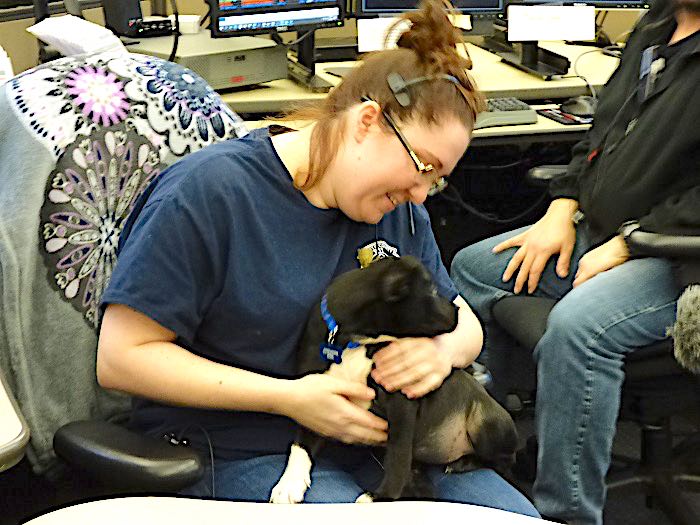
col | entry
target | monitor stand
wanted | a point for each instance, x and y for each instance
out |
(527, 56)
(303, 69)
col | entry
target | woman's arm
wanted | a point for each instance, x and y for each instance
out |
(418, 365)
(464, 343)
(553, 235)
(138, 356)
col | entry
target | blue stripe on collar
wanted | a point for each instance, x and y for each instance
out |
(329, 350)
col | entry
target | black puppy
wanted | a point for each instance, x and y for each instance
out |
(458, 425)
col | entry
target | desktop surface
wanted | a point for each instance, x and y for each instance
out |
(493, 77)
(174, 511)
(543, 130)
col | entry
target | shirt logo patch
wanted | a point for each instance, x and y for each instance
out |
(375, 251)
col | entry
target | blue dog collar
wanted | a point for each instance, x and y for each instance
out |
(329, 350)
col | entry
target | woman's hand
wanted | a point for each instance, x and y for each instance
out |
(554, 233)
(324, 404)
(414, 365)
(604, 257)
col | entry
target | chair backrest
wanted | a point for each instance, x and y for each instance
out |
(80, 139)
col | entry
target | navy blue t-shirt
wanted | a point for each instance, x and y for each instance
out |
(226, 253)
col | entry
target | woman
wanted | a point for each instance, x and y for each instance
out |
(233, 246)
(637, 167)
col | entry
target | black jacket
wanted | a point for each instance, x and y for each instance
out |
(641, 158)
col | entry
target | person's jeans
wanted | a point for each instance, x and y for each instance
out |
(579, 361)
(337, 481)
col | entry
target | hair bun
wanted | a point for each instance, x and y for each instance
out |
(432, 36)
(430, 28)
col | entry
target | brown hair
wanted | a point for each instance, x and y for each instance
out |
(428, 48)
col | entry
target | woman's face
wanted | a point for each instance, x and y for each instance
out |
(377, 173)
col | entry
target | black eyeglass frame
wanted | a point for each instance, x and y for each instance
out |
(424, 169)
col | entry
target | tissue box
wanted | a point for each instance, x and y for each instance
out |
(189, 24)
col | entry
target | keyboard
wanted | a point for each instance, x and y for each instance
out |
(507, 111)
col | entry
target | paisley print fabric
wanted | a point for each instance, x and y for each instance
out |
(89, 196)
(179, 104)
(112, 122)
(171, 105)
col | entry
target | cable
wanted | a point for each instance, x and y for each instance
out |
(579, 75)
(606, 51)
(181, 440)
(176, 31)
(206, 15)
(490, 217)
(601, 37)
(304, 35)
(493, 167)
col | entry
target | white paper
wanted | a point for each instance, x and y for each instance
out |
(528, 23)
(372, 32)
(461, 21)
(72, 35)
(189, 24)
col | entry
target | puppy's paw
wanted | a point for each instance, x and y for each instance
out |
(296, 478)
(365, 498)
(290, 489)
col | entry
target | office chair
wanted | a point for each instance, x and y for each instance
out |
(656, 387)
(80, 139)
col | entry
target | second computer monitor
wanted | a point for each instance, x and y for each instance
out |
(482, 12)
(388, 7)
(598, 4)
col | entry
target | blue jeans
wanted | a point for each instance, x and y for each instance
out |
(334, 480)
(579, 361)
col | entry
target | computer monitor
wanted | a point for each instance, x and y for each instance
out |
(525, 54)
(598, 4)
(249, 17)
(482, 12)
(230, 18)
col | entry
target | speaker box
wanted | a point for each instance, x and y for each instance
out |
(122, 16)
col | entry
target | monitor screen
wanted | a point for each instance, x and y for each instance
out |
(247, 17)
(391, 7)
(600, 4)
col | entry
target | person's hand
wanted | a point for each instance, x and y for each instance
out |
(323, 403)
(414, 365)
(604, 257)
(554, 233)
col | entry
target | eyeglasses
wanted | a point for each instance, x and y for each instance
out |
(438, 184)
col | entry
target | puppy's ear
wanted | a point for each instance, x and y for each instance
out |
(396, 286)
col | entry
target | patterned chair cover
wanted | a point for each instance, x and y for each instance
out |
(80, 138)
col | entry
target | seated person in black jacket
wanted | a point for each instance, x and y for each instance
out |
(638, 167)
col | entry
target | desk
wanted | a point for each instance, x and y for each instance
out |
(14, 433)
(544, 130)
(493, 77)
(176, 511)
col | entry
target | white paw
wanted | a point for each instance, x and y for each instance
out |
(296, 478)
(290, 489)
(364, 498)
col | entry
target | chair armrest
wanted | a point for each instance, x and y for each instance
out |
(662, 245)
(127, 460)
(14, 432)
(541, 175)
